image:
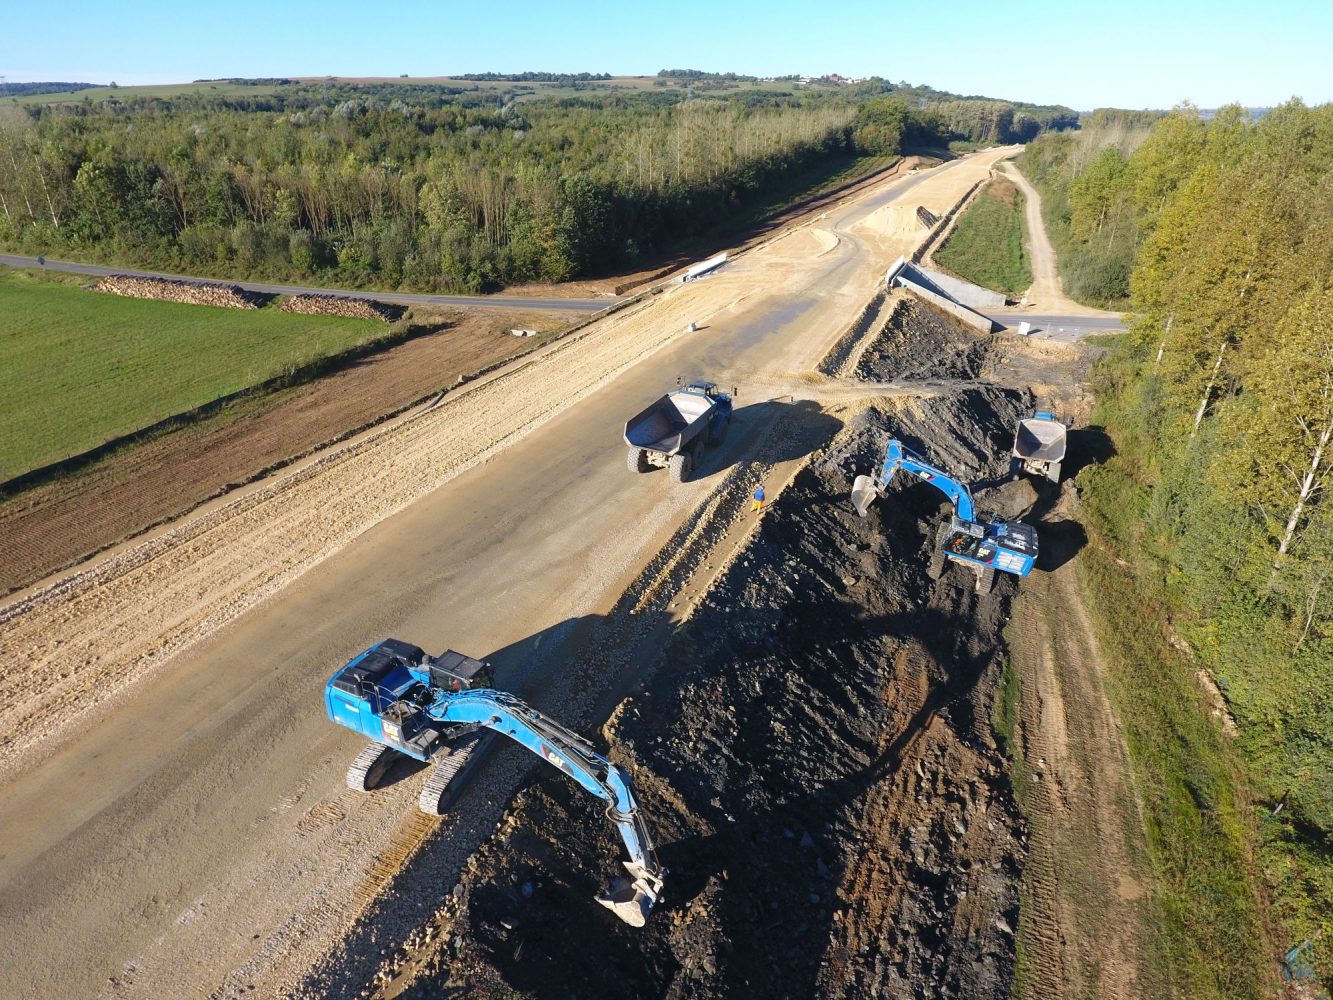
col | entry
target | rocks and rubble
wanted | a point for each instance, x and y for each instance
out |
(196, 293)
(342, 305)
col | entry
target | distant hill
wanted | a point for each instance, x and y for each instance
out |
(19, 89)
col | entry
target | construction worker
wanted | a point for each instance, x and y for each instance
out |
(758, 498)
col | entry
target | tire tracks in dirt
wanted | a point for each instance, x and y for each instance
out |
(1085, 931)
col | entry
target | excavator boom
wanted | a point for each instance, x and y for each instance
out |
(425, 707)
(569, 753)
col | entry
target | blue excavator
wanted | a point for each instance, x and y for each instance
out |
(984, 544)
(442, 709)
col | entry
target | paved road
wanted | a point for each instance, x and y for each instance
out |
(197, 833)
(398, 298)
(1062, 327)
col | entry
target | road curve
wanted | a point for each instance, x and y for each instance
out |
(397, 298)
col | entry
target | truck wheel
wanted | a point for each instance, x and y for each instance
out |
(986, 580)
(716, 437)
(638, 460)
(1053, 472)
(679, 467)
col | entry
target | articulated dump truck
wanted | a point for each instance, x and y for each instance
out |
(672, 432)
(1039, 447)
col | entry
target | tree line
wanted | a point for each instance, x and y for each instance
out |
(452, 193)
(1221, 400)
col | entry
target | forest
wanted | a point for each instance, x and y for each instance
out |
(431, 188)
(1219, 404)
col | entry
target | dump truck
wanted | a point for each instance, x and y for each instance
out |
(1039, 446)
(671, 433)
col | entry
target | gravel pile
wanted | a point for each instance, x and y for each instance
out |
(195, 293)
(341, 305)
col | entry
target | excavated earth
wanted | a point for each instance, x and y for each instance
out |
(815, 755)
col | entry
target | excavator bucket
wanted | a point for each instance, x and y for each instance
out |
(864, 492)
(632, 901)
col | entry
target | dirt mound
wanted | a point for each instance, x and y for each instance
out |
(819, 768)
(342, 305)
(921, 342)
(195, 293)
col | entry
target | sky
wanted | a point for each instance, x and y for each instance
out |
(1131, 53)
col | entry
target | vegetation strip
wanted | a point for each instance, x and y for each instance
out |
(1213, 515)
(986, 247)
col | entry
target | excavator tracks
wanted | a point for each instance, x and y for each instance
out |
(451, 772)
(368, 768)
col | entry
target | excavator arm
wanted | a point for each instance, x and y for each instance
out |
(898, 457)
(496, 710)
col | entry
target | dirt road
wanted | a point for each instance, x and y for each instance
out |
(1085, 927)
(1046, 294)
(171, 791)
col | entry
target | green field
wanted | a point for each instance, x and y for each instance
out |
(221, 88)
(986, 247)
(78, 368)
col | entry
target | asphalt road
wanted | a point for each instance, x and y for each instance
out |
(398, 298)
(198, 826)
(1061, 327)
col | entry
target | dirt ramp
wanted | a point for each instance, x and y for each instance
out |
(816, 758)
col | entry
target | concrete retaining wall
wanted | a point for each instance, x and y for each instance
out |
(973, 319)
(964, 291)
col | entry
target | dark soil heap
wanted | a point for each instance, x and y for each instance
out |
(816, 758)
(920, 342)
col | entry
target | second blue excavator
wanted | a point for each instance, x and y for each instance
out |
(985, 544)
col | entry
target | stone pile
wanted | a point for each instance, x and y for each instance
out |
(197, 293)
(341, 305)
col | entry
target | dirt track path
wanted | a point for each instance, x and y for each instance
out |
(1084, 930)
(1046, 294)
(187, 827)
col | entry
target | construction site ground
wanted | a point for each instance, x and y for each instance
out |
(807, 715)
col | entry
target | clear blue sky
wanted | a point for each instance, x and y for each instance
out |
(1132, 53)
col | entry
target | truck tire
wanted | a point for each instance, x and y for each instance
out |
(935, 567)
(638, 460)
(1053, 472)
(680, 467)
(716, 437)
(986, 580)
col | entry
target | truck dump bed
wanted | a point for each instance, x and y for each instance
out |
(669, 423)
(1040, 440)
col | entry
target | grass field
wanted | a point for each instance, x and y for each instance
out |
(1200, 823)
(158, 90)
(78, 368)
(987, 245)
